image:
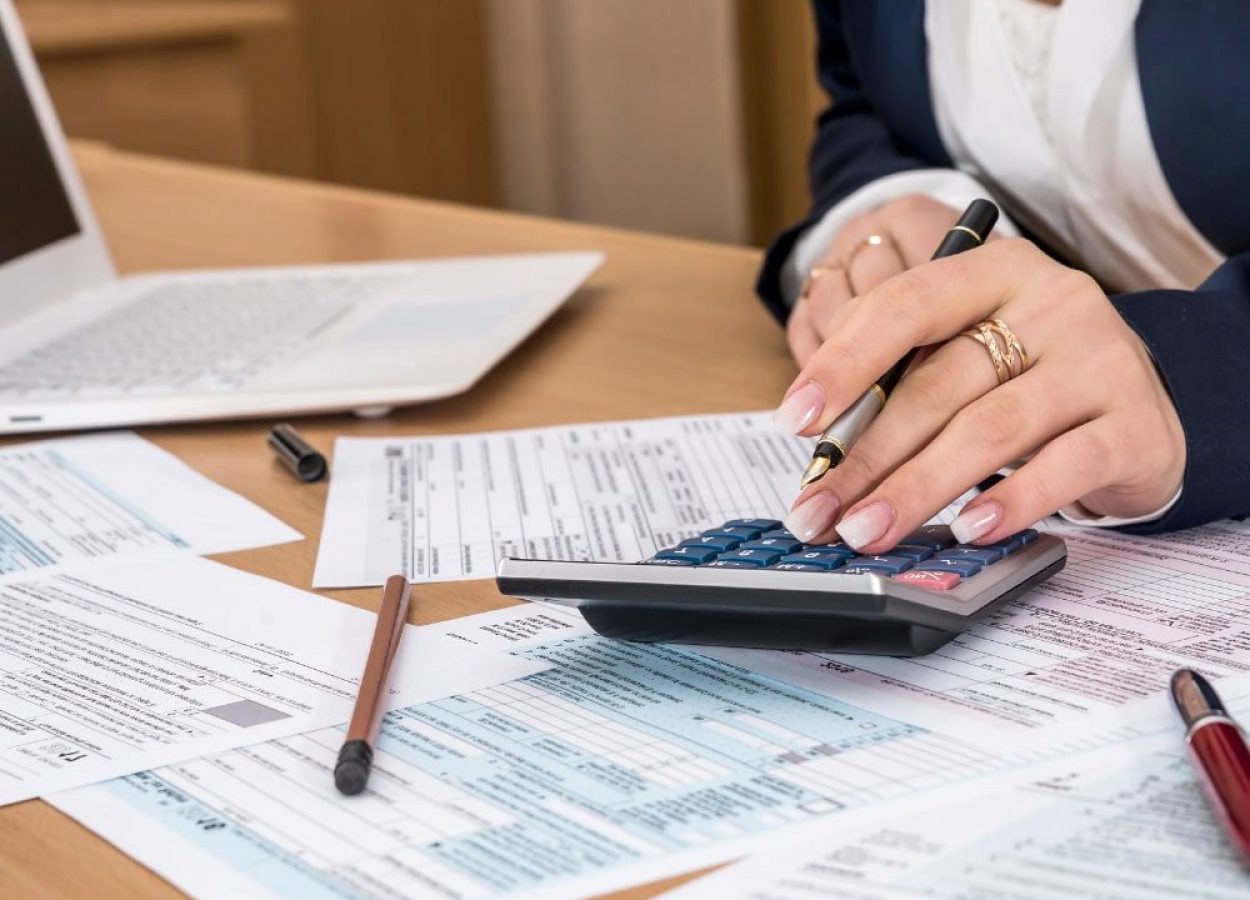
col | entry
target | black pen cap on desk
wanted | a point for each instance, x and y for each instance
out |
(296, 453)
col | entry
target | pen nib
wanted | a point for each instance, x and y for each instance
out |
(815, 470)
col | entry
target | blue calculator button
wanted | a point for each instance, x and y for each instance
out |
(778, 533)
(720, 544)
(696, 554)
(826, 559)
(984, 555)
(840, 548)
(783, 545)
(755, 557)
(1007, 544)
(935, 537)
(1028, 535)
(886, 565)
(760, 525)
(668, 562)
(914, 552)
(797, 567)
(731, 564)
(965, 567)
(737, 532)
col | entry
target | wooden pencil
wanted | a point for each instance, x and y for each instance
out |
(351, 772)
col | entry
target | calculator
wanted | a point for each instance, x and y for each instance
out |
(751, 583)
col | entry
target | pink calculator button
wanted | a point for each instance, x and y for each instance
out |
(930, 581)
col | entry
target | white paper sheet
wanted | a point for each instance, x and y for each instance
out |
(108, 494)
(1128, 822)
(449, 507)
(622, 763)
(110, 666)
(1109, 629)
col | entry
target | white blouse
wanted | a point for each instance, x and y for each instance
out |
(1040, 108)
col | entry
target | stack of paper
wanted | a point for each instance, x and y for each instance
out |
(576, 765)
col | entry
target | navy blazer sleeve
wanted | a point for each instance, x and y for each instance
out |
(1201, 342)
(853, 145)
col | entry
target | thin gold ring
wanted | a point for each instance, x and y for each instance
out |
(814, 275)
(1007, 354)
(873, 240)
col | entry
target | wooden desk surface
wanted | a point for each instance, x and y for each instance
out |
(666, 327)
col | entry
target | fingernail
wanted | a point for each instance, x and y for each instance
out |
(866, 525)
(974, 523)
(813, 516)
(801, 408)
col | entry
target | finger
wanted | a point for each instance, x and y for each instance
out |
(1005, 425)
(1073, 465)
(872, 263)
(921, 306)
(954, 376)
(828, 296)
(801, 333)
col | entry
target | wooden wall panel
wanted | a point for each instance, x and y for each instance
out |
(401, 94)
(780, 100)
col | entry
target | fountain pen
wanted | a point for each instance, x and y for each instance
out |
(970, 231)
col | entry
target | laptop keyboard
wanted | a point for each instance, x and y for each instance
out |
(199, 336)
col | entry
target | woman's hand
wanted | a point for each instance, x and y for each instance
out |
(1090, 412)
(910, 228)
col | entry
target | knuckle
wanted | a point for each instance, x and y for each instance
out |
(858, 472)
(1090, 456)
(930, 388)
(838, 355)
(900, 298)
(1016, 250)
(910, 204)
(993, 421)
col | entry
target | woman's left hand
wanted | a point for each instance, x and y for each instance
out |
(1090, 413)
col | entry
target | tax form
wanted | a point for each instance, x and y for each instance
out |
(108, 494)
(1128, 822)
(113, 665)
(620, 763)
(449, 507)
(1108, 630)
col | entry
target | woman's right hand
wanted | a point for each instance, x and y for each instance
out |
(911, 227)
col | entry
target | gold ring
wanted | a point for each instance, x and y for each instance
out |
(873, 240)
(1006, 352)
(814, 275)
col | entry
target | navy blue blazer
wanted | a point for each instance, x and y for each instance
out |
(1194, 72)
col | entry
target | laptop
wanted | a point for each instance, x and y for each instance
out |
(81, 347)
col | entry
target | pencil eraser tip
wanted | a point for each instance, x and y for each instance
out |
(350, 777)
(351, 772)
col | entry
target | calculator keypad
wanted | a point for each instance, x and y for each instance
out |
(928, 558)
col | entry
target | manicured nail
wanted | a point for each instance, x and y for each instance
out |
(813, 516)
(801, 408)
(866, 525)
(975, 523)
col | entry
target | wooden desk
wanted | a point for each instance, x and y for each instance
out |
(665, 327)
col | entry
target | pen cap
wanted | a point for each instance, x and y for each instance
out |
(296, 453)
(980, 217)
(972, 229)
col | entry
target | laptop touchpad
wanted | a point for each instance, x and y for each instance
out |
(436, 320)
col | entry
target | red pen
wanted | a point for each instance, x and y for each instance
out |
(1218, 748)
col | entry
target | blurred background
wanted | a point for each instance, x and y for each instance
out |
(687, 117)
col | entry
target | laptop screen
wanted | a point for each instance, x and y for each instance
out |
(35, 210)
